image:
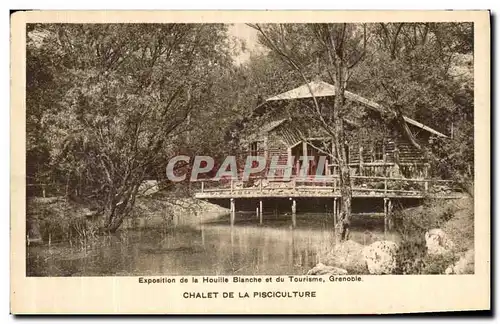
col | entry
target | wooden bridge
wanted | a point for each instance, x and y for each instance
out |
(328, 186)
(387, 189)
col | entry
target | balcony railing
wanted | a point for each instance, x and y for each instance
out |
(326, 185)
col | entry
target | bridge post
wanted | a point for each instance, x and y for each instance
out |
(294, 212)
(361, 171)
(260, 212)
(339, 207)
(335, 211)
(257, 212)
(389, 214)
(385, 216)
(233, 211)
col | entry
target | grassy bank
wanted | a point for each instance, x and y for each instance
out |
(454, 217)
(56, 219)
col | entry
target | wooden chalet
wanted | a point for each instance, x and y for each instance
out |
(392, 155)
(383, 168)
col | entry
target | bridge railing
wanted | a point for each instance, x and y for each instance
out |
(375, 185)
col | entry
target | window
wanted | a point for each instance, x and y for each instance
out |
(378, 151)
(253, 149)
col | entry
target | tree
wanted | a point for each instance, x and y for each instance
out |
(262, 76)
(128, 92)
(424, 70)
(340, 47)
(41, 89)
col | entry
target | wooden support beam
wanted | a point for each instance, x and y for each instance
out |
(257, 212)
(333, 171)
(202, 186)
(304, 157)
(361, 160)
(389, 214)
(266, 150)
(260, 211)
(233, 211)
(337, 217)
(339, 208)
(294, 213)
(385, 217)
(384, 153)
(334, 211)
(289, 161)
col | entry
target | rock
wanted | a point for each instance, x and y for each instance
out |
(321, 269)
(380, 257)
(463, 266)
(437, 242)
(349, 255)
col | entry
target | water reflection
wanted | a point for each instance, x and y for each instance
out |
(209, 249)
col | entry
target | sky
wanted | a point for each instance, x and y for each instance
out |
(249, 36)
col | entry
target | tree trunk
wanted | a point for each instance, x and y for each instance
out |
(344, 172)
(115, 223)
(345, 186)
(119, 208)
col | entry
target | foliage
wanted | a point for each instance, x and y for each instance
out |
(425, 70)
(437, 264)
(108, 104)
(128, 97)
(412, 257)
(454, 158)
(61, 221)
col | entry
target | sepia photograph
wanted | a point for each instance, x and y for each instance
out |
(315, 151)
(305, 148)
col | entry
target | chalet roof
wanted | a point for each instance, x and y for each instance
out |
(319, 88)
(324, 89)
(266, 128)
(272, 125)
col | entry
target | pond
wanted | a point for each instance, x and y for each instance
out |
(212, 248)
